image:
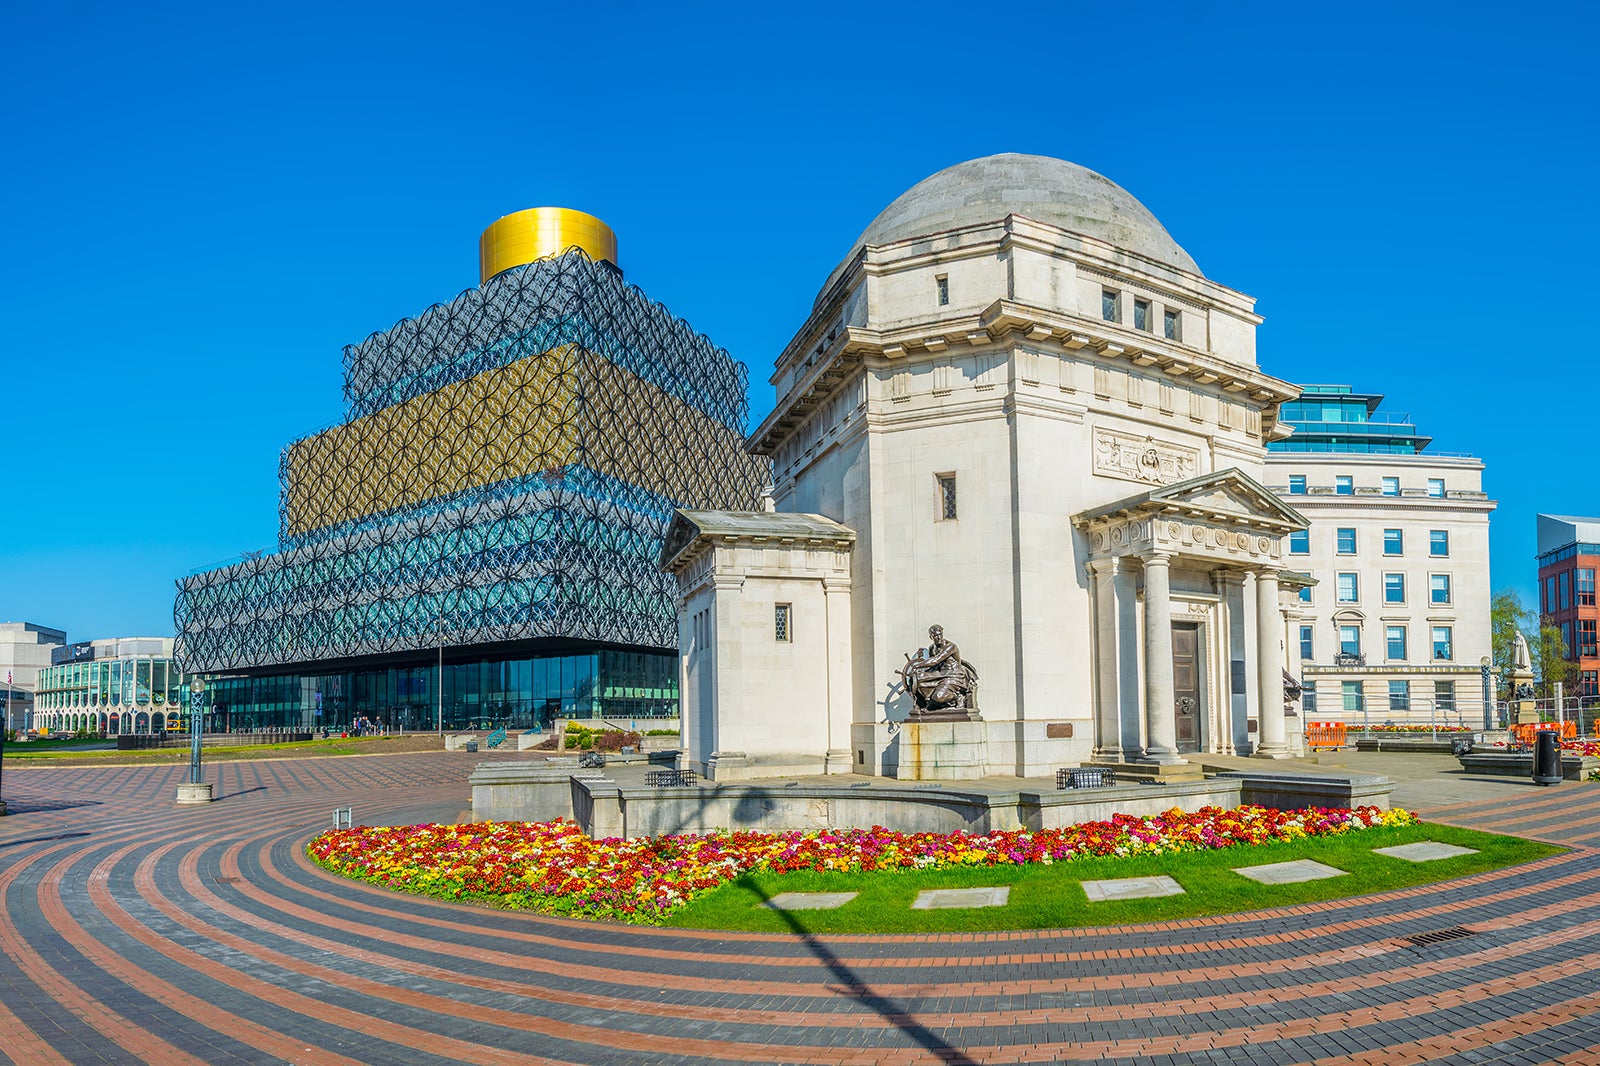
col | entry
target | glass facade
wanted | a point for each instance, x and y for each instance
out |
(136, 694)
(1335, 418)
(488, 694)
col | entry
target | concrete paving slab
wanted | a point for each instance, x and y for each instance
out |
(938, 899)
(1289, 873)
(810, 901)
(1424, 851)
(1131, 888)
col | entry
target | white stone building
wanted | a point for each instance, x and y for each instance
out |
(1396, 626)
(1045, 430)
(25, 649)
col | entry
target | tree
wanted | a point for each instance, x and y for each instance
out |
(1550, 661)
(1546, 649)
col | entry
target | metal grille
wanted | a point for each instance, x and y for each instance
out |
(1439, 936)
(507, 469)
(1086, 777)
(670, 778)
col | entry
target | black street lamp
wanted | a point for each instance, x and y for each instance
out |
(1488, 707)
(196, 789)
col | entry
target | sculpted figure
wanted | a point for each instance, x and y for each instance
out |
(1520, 659)
(938, 679)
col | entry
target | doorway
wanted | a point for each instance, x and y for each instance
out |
(1186, 684)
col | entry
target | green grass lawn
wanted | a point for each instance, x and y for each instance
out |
(1044, 897)
(44, 750)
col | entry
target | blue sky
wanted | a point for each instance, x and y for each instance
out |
(203, 204)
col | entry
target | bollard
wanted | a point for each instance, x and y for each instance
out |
(342, 818)
(1546, 758)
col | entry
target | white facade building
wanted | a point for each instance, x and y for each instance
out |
(1046, 430)
(24, 650)
(1396, 626)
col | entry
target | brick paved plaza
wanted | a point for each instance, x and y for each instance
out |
(138, 931)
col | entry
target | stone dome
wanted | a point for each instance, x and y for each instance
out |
(1035, 186)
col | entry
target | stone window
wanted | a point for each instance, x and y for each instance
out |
(1308, 696)
(781, 630)
(947, 497)
(1439, 588)
(1436, 487)
(1394, 588)
(1305, 593)
(1343, 485)
(1305, 643)
(1444, 696)
(1394, 542)
(1297, 484)
(1171, 325)
(1141, 315)
(1349, 588)
(1391, 486)
(1300, 542)
(1394, 639)
(1347, 540)
(1399, 695)
(1111, 305)
(1438, 543)
(1354, 699)
(1349, 640)
(1444, 644)
(942, 284)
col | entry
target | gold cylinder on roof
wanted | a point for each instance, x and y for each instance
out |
(541, 232)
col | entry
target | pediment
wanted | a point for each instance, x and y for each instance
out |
(1227, 497)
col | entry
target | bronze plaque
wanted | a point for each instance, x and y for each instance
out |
(1058, 730)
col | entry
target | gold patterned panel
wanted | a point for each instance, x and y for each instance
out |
(540, 232)
(565, 406)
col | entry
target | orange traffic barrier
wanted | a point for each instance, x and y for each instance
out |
(1524, 734)
(1329, 735)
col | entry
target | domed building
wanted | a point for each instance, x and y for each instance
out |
(1019, 411)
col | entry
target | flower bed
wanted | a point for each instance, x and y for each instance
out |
(1428, 729)
(553, 868)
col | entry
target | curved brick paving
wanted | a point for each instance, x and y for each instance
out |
(138, 931)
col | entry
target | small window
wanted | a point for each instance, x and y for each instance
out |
(1394, 638)
(1399, 695)
(1305, 643)
(1347, 540)
(1444, 648)
(1308, 696)
(1141, 315)
(781, 631)
(1110, 305)
(1300, 542)
(1297, 484)
(1349, 640)
(1436, 487)
(1305, 593)
(1394, 588)
(1351, 692)
(1171, 325)
(1343, 486)
(1444, 696)
(1391, 486)
(1439, 543)
(1394, 542)
(947, 497)
(1582, 584)
(1566, 597)
(1439, 588)
(1349, 588)
(942, 283)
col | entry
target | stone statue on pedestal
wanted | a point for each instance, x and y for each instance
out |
(1521, 682)
(943, 686)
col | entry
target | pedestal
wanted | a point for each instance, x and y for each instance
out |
(942, 751)
(189, 794)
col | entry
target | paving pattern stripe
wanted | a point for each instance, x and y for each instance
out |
(1535, 796)
(1299, 994)
(20, 1044)
(73, 1028)
(1554, 826)
(1449, 1015)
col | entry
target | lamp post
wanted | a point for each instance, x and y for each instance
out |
(1488, 709)
(195, 790)
(5, 724)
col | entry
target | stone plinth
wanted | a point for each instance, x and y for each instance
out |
(521, 792)
(943, 751)
(194, 794)
(1509, 764)
(1155, 773)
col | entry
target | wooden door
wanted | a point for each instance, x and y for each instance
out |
(1186, 683)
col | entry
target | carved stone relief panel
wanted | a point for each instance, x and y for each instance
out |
(1129, 457)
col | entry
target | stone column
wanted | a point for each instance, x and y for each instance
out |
(1161, 718)
(1107, 696)
(1269, 669)
(840, 758)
